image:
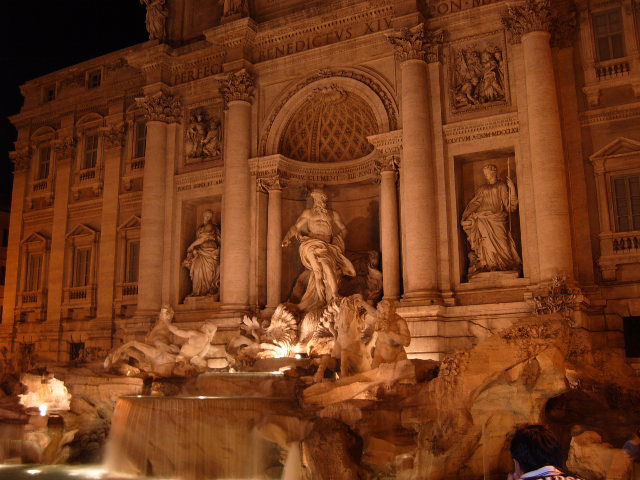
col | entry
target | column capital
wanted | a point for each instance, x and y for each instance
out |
(21, 160)
(564, 28)
(113, 135)
(161, 107)
(269, 184)
(387, 163)
(65, 148)
(416, 43)
(238, 86)
(531, 16)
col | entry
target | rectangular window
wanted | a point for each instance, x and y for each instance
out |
(626, 191)
(76, 349)
(3, 272)
(631, 327)
(131, 261)
(81, 263)
(49, 93)
(90, 151)
(34, 267)
(608, 30)
(94, 79)
(140, 139)
(44, 161)
(5, 237)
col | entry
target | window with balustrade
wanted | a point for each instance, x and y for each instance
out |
(139, 139)
(88, 170)
(31, 299)
(608, 31)
(126, 296)
(617, 172)
(43, 166)
(81, 260)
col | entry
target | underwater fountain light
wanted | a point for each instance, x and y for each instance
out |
(43, 407)
(33, 471)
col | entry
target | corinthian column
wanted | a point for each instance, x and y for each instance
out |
(159, 110)
(237, 91)
(274, 242)
(531, 24)
(418, 200)
(389, 241)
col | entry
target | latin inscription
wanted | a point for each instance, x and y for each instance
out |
(322, 39)
(437, 9)
(196, 73)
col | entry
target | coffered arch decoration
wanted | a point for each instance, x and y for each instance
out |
(327, 117)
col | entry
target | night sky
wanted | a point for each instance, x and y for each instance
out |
(41, 36)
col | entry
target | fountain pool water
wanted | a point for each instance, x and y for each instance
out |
(194, 437)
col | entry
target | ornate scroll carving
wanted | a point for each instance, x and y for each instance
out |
(560, 298)
(238, 86)
(416, 43)
(269, 183)
(564, 28)
(21, 160)
(156, 20)
(161, 108)
(113, 135)
(66, 148)
(532, 16)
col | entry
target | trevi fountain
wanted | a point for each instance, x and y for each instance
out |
(327, 240)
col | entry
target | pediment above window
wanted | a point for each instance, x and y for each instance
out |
(133, 221)
(83, 231)
(35, 239)
(621, 146)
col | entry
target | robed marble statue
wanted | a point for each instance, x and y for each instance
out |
(203, 258)
(321, 233)
(485, 220)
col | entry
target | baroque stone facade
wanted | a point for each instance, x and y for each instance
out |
(394, 109)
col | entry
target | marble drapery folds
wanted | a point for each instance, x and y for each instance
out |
(203, 259)
(485, 221)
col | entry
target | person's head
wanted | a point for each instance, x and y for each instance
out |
(534, 446)
(319, 197)
(207, 215)
(490, 173)
(386, 307)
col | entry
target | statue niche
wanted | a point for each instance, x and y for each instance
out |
(485, 220)
(203, 259)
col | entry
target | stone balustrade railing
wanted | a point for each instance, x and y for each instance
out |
(613, 68)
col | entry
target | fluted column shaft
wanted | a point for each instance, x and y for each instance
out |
(389, 240)
(236, 201)
(274, 247)
(547, 157)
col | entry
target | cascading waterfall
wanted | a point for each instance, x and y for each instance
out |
(192, 438)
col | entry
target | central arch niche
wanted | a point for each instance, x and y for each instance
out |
(331, 125)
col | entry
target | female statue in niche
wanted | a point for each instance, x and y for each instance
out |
(203, 258)
(485, 221)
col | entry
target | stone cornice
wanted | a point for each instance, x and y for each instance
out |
(530, 16)
(161, 108)
(416, 43)
(239, 33)
(294, 172)
(389, 143)
(610, 114)
(238, 86)
(480, 128)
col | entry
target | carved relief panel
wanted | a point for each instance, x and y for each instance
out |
(478, 74)
(203, 136)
